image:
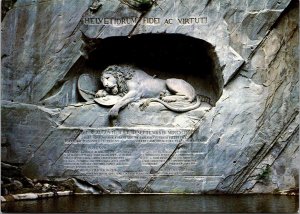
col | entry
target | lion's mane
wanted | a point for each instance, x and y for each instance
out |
(122, 74)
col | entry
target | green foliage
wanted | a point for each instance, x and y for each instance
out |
(265, 174)
(141, 5)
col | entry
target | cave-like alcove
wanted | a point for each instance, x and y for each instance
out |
(163, 55)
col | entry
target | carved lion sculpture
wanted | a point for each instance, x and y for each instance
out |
(133, 85)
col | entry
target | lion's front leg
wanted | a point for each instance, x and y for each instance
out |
(128, 98)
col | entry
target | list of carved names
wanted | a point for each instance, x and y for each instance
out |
(124, 151)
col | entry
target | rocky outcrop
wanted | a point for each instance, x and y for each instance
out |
(245, 142)
(16, 186)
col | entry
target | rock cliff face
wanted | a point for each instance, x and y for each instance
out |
(241, 55)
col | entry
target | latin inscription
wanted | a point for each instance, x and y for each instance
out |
(145, 21)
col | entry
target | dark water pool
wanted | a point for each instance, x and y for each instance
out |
(159, 203)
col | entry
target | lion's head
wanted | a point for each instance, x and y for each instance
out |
(114, 79)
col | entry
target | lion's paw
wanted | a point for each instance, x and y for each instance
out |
(113, 113)
(101, 93)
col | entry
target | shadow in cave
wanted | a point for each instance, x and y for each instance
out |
(164, 52)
